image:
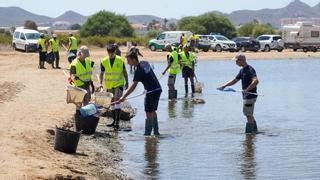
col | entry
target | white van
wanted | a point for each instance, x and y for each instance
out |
(302, 35)
(25, 39)
(167, 37)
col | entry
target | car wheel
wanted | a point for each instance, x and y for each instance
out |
(255, 50)
(314, 50)
(243, 49)
(294, 50)
(267, 48)
(218, 48)
(280, 50)
(26, 48)
(305, 49)
(153, 48)
(205, 50)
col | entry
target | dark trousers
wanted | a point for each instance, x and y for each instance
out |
(72, 58)
(42, 58)
(56, 58)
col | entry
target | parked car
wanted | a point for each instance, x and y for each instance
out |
(167, 37)
(25, 39)
(220, 43)
(246, 44)
(271, 42)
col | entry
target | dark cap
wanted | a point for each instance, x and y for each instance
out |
(239, 57)
(132, 55)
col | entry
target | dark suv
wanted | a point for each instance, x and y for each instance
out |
(246, 44)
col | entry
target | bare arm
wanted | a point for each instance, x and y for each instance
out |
(126, 77)
(129, 91)
(253, 84)
(164, 72)
(230, 83)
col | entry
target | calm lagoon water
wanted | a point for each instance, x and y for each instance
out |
(208, 142)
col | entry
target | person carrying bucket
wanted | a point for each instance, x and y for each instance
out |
(115, 80)
(146, 76)
(174, 69)
(81, 72)
(249, 80)
(187, 62)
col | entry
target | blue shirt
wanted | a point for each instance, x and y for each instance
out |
(146, 76)
(245, 75)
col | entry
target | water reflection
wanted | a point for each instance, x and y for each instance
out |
(248, 164)
(151, 152)
(187, 108)
(172, 109)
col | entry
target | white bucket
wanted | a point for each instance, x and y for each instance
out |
(198, 87)
(102, 98)
(75, 95)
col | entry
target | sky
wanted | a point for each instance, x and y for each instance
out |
(161, 8)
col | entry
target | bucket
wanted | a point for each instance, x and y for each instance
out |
(198, 87)
(66, 141)
(75, 95)
(102, 98)
(87, 125)
(173, 94)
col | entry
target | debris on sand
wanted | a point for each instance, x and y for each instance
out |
(198, 101)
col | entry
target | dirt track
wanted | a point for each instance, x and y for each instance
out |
(33, 101)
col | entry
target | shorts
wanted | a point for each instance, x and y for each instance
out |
(248, 106)
(172, 79)
(42, 56)
(117, 92)
(187, 72)
(151, 101)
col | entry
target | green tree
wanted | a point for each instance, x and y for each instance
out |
(208, 23)
(254, 30)
(30, 25)
(106, 23)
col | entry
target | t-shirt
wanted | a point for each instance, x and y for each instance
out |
(146, 76)
(245, 75)
(111, 64)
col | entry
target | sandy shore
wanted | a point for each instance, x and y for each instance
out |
(32, 101)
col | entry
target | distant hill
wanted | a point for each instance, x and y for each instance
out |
(15, 16)
(72, 17)
(295, 9)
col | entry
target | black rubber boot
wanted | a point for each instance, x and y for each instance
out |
(57, 64)
(186, 89)
(155, 127)
(78, 113)
(192, 88)
(117, 121)
(255, 127)
(249, 127)
(114, 119)
(148, 127)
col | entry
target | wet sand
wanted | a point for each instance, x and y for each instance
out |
(32, 101)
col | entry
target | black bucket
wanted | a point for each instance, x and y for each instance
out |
(87, 125)
(173, 94)
(66, 141)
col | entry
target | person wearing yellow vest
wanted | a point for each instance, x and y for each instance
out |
(174, 69)
(114, 78)
(73, 46)
(194, 39)
(187, 63)
(55, 44)
(183, 40)
(42, 48)
(81, 72)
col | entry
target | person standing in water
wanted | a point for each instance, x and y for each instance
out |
(146, 76)
(249, 80)
(187, 63)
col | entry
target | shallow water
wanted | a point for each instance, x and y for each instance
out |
(208, 142)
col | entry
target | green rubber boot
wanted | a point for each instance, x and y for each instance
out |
(255, 127)
(155, 127)
(148, 127)
(249, 127)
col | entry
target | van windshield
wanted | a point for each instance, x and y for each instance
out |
(32, 36)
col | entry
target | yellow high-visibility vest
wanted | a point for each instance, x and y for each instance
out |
(42, 43)
(175, 67)
(54, 45)
(113, 76)
(74, 43)
(185, 60)
(83, 73)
